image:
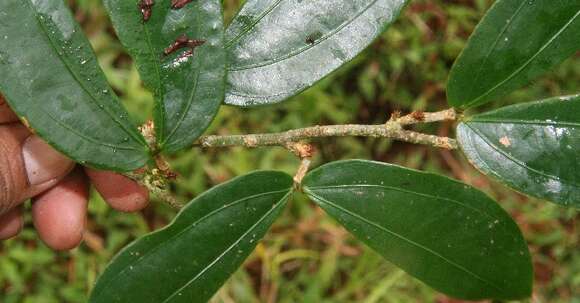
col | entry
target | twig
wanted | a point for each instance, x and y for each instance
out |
(157, 179)
(157, 182)
(422, 117)
(305, 152)
(393, 129)
(166, 196)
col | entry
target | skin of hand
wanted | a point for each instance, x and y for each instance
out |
(58, 188)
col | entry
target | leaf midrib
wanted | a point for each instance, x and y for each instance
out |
(405, 239)
(526, 64)
(187, 105)
(184, 111)
(248, 28)
(160, 125)
(303, 49)
(252, 228)
(518, 162)
(524, 122)
(198, 221)
(80, 83)
(403, 191)
(87, 138)
(478, 74)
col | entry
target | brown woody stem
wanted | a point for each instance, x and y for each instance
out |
(305, 152)
(393, 129)
(157, 179)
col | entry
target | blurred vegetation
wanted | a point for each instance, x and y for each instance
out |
(307, 257)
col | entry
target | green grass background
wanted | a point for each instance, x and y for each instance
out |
(307, 257)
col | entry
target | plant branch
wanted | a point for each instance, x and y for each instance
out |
(305, 152)
(157, 178)
(393, 129)
(418, 117)
(157, 183)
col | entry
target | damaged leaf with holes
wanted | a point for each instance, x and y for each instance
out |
(180, 56)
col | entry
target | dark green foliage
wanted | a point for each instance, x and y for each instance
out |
(51, 78)
(532, 147)
(189, 260)
(278, 48)
(517, 41)
(445, 233)
(188, 88)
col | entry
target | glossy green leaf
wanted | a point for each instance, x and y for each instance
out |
(278, 48)
(517, 41)
(445, 233)
(51, 78)
(189, 260)
(188, 90)
(532, 147)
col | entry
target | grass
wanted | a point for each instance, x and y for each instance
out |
(307, 257)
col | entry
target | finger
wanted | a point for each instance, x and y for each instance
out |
(13, 181)
(44, 166)
(11, 223)
(120, 192)
(6, 114)
(28, 166)
(59, 214)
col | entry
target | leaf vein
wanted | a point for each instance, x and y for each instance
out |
(209, 266)
(516, 161)
(95, 141)
(160, 244)
(248, 28)
(497, 40)
(185, 107)
(405, 239)
(531, 122)
(527, 63)
(81, 84)
(307, 47)
(160, 125)
(405, 191)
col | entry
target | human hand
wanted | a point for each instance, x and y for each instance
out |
(30, 168)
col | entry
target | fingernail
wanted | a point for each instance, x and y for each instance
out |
(42, 162)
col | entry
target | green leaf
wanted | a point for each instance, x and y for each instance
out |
(532, 147)
(517, 41)
(278, 48)
(188, 90)
(189, 260)
(445, 233)
(51, 78)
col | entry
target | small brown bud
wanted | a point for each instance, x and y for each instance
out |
(418, 115)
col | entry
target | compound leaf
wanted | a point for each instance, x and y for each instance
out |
(445, 233)
(190, 259)
(278, 48)
(52, 80)
(532, 147)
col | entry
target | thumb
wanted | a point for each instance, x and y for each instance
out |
(28, 166)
